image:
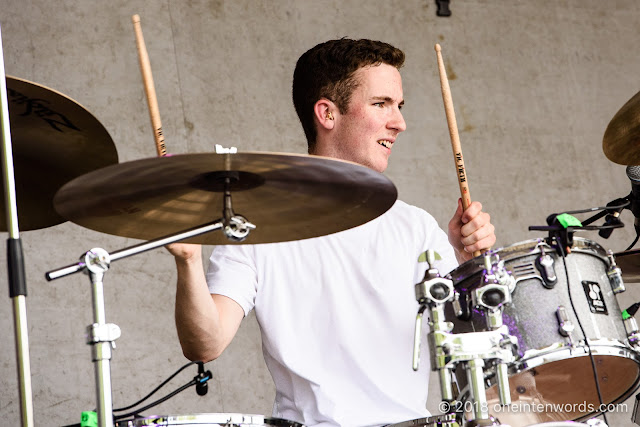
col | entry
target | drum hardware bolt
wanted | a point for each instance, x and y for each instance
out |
(614, 273)
(631, 325)
(546, 266)
(236, 227)
(565, 325)
(457, 307)
(521, 389)
(96, 261)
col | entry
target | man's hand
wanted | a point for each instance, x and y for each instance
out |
(185, 252)
(470, 231)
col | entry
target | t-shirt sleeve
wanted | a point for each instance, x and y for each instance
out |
(232, 273)
(437, 240)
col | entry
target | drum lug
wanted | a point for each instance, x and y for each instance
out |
(546, 266)
(614, 273)
(566, 326)
(633, 335)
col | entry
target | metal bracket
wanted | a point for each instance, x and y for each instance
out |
(443, 8)
(107, 332)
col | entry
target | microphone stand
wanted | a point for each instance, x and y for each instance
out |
(17, 277)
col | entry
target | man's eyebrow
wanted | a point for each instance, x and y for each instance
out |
(386, 99)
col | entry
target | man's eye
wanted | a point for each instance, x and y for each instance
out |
(379, 104)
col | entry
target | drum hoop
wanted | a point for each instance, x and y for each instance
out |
(601, 347)
(598, 348)
(523, 249)
(208, 418)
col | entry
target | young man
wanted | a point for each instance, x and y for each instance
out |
(336, 312)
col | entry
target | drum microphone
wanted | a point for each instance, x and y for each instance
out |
(201, 380)
(633, 173)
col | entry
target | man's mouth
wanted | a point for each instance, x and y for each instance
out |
(385, 143)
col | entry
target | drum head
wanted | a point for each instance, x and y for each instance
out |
(210, 420)
(565, 390)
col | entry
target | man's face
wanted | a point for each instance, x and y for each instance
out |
(366, 132)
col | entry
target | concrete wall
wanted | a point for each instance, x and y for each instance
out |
(534, 85)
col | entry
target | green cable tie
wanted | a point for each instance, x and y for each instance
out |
(625, 315)
(89, 419)
(567, 220)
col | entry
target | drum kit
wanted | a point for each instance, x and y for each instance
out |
(527, 335)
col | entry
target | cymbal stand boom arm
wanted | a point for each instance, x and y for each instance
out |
(136, 249)
(101, 335)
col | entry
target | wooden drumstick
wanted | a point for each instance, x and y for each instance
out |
(453, 132)
(147, 78)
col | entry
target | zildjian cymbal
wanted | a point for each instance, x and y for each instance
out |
(621, 142)
(53, 140)
(287, 196)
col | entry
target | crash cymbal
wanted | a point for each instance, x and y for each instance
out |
(621, 142)
(629, 263)
(53, 140)
(287, 196)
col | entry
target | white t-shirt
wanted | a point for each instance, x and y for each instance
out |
(337, 317)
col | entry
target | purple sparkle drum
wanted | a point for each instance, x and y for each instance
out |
(208, 420)
(552, 378)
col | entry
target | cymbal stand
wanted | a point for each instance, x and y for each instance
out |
(101, 335)
(17, 278)
(469, 349)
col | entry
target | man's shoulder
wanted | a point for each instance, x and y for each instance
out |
(403, 208)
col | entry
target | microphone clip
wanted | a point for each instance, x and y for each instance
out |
(612, 216)
(201, 380)
(561, 229)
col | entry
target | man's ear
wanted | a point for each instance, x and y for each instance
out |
(325, 112)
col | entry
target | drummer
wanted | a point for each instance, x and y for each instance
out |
(336, 312)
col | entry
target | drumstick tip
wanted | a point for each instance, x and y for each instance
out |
(135, 18)
(437, 47)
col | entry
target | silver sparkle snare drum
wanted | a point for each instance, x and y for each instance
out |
(552, 378)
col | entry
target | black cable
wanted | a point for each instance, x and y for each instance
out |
(157, 402)
(584, 334)
(155, 389)
(196, 381)
(599, 208)
(634, 242)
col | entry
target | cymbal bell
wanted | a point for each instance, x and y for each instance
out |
(53, 140)
(621, 141)
(287, 196)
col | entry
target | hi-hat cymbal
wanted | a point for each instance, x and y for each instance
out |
(53, 140)
(287, 196)
(621, 142)
(629, 263)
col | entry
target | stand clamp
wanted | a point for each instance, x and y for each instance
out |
(471, 349)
